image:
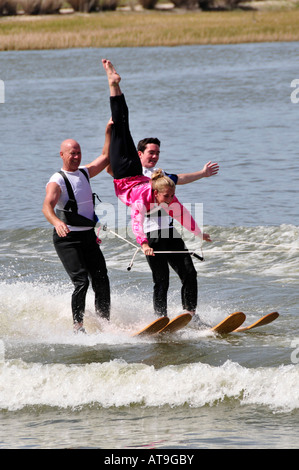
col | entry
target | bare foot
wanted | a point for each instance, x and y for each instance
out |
(113, 77)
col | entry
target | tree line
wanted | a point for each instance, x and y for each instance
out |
(40, 7)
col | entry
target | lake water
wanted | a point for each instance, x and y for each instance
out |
(230, 104)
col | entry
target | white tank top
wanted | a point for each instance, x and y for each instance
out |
(82, 193)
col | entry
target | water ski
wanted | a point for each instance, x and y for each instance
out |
(230, 323)
(153, 327)
(177, 323)
(270, 317)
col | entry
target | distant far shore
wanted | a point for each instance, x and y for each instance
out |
(164, 26)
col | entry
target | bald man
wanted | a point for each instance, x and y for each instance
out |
(69, 207)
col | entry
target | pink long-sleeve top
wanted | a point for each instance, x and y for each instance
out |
(136, 191)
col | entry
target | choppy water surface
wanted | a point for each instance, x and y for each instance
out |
(229, 104)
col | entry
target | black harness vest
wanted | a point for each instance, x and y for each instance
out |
(69, 214)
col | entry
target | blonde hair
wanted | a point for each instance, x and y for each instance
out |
(160, 181)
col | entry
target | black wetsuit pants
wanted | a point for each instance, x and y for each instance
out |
(82, 259)
(182, 264)
(124, 158)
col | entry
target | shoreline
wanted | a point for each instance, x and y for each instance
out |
(160, 27)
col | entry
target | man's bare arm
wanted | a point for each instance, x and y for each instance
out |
(209, 169)
(53, 192)
(100, 163)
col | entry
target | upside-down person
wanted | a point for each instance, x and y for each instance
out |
(143, 194)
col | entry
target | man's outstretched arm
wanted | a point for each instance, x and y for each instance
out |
(209, 169)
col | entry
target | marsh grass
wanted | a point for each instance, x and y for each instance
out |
(150, 28)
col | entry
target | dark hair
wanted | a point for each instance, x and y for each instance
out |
(148, 140)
